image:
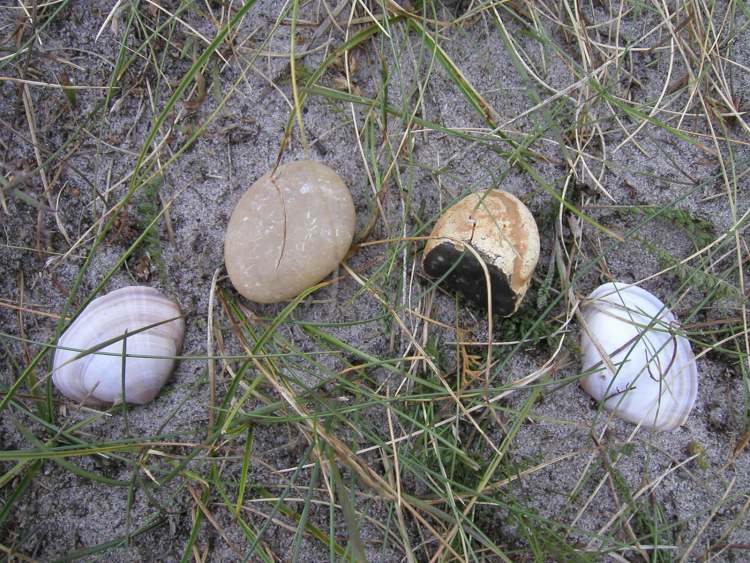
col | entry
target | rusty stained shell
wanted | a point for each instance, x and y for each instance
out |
(502, 230)
(87, 372)
(289, 230)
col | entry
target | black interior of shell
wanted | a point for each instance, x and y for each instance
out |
(460, 271)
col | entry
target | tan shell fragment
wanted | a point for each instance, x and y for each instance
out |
(289, 231)
(501, 229)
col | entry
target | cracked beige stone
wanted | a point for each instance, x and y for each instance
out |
(502, 232)
(289, 231)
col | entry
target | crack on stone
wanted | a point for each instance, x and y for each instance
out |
(473, 222)
(283, 208)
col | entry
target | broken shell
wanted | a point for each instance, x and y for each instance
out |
(289, 231)
(96, 377)
(503, 233)
(649, 375)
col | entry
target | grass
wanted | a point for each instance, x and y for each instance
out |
(374, 415)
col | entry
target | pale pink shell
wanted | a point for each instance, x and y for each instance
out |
(97, 378)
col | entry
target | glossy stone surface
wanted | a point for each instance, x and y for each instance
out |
(289, 231)
(502, 231)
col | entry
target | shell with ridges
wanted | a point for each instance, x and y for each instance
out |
(655, 378)
(96, 378)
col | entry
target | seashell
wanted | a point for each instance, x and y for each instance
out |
(289, 230)
(96, 378)
(501, 229)
(655, 378)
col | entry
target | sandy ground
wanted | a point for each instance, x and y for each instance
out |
(62, 512)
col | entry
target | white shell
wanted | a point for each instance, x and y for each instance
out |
(656, 380)
(96, 378)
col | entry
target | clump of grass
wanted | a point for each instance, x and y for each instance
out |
(701, 232)
(696, 449)
(524, 325)
(149, 207)
(702, 235)
(698, 277)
